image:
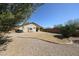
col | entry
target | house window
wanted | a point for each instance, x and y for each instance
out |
(30, 28)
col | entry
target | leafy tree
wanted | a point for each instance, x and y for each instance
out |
(13, 13)
(69, 28)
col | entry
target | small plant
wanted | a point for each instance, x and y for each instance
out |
(4, 40)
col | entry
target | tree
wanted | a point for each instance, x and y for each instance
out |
(69, 28)
(11, 14)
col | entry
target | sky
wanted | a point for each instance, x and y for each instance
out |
(51, 14)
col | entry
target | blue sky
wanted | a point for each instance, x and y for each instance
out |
(52, 14)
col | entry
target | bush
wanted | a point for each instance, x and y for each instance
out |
(67, 30)
(4, 40)
(76, 34)
(52, 30)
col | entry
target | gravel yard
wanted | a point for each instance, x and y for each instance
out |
(24, 45)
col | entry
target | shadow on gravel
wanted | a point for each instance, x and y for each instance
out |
(76, 41)
(59, 36)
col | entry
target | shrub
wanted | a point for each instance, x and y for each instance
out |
(51, 30)
(68, 29)
(76, 34)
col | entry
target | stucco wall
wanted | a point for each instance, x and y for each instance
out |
(26, 28)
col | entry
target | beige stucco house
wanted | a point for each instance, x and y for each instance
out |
(30, 27)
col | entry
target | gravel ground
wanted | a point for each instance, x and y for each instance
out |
(27, 46)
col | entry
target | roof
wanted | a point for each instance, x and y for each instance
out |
(34, 24)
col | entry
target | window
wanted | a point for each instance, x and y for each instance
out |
(30, 28)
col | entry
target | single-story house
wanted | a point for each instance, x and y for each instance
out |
(29, 27)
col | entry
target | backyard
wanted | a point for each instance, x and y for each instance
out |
(42, 29)
(39, 44)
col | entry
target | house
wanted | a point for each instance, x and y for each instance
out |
(29, 27)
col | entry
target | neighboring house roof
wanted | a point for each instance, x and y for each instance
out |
(38, 26)
(34, 24)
